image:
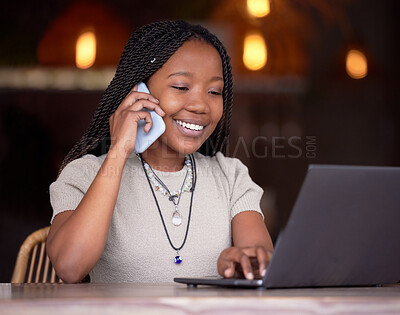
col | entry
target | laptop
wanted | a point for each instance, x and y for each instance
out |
(344, 230)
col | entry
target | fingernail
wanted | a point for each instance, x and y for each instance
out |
(156, 100)
(250, 276)
(226, 273)
(263, 272)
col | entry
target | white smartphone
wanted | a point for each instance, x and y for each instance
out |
(143, 139)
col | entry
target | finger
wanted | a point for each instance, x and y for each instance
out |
(147, 118)
(229, 270)
(133, 96)
(226, 266)
(131, 100)
(246, 266)
(140, 104)
(239, 256)
(134, 89)
(148, 125)
(159, 111)
(263, 260)
(223, 263)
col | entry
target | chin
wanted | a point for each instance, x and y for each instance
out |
(189, 148)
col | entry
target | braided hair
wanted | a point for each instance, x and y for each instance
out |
(146, 51)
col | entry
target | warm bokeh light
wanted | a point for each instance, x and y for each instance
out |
(85, 50)
(255, 52)
(258, 8)
(356, 64)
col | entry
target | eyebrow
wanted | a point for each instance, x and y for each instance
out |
(188, 74)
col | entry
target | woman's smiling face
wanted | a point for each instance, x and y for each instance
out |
(189, 87)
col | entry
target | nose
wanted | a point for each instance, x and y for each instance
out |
(197, 103)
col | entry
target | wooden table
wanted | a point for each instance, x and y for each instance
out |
(128, 298)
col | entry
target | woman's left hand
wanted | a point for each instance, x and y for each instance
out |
(252, 261)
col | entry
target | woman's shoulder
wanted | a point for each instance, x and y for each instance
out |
(221, 163)
(218, 159)
(87, 159)
(87, 165)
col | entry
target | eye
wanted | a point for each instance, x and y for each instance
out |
(180, 88)
(215, 93)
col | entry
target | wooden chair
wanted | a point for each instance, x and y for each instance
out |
(33, 251)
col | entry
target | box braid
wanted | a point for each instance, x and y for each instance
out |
(146, 51)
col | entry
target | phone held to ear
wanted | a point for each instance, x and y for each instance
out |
(143, 139)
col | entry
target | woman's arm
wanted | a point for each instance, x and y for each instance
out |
(77, 238)
(250, 239)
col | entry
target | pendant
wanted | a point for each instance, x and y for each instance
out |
(176, 218)
(178, 259)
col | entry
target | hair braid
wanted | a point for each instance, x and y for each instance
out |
(146, 51)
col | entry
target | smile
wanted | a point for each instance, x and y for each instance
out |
(190, 126)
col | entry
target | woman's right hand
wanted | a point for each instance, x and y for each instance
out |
(123, 123)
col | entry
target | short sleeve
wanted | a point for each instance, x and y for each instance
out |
(75, 179)
(244, 194)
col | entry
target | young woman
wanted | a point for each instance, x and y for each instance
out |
(170, 211)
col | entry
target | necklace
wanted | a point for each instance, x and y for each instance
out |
(173, 196)
(178, 259)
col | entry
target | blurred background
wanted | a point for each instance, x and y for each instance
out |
(316, 81)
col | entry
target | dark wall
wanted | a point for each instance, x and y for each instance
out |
(37, 128)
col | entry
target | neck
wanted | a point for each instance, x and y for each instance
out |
(167, 162)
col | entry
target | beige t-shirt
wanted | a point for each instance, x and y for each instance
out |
(137, 248)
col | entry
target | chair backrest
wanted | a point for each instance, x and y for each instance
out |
(33, 252)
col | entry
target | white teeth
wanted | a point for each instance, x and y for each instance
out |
(189, 126)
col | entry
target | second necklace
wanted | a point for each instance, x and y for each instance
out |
(175, 195)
